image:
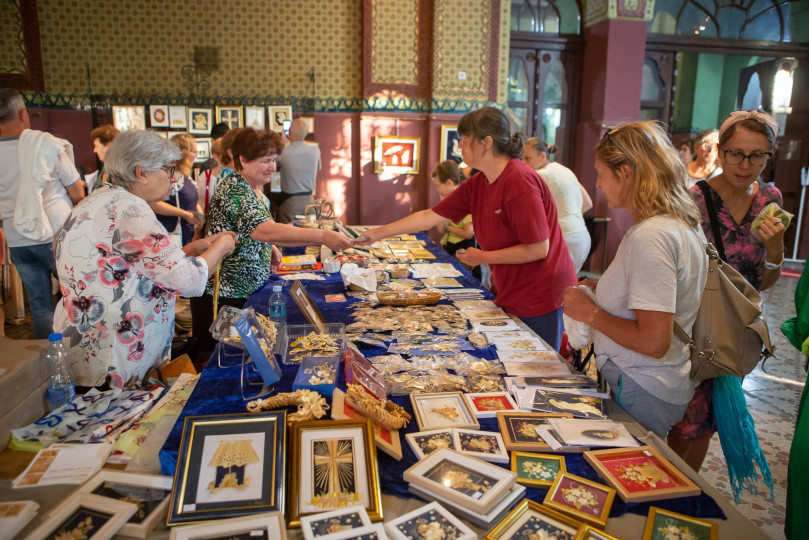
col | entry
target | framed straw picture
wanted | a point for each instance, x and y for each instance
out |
(305, 304)
(199, 121)
(591, 533)
(332, 465)
(424, 443)
(429, 521)
(536, 470)
(449, 145)
(485, 445)
(580, 498)
(229, 465)
(231, 115)
(533, 520)
(463, 480)
(662, 524)
(442, 409)
(488, 404)
(396, 155)
(128, 117)
(83, 515)
(203, 149)
(519, 430)
(327, 523)
(278, 115)
(254, 117)
(177, 117)
(148, 491)
(158, 116)
(641, 474)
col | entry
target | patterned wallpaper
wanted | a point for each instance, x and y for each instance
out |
(12, 58)
(140, 47)
(395, 42)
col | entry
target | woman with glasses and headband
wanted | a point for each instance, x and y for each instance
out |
(118, 272)
(746, 142)
(705, 165)
(656, 278)
(180, 211)
(515, 221)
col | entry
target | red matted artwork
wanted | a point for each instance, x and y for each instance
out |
(386, 439)
(396, 155)
(640, 474)
(580, 498)
(488, 404)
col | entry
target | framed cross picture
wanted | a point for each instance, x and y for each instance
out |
(231, 115)
(332, 465)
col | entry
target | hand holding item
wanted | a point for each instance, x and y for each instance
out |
(194, 218)
(771, 233)
(275, 263)
(471, 256)
(578, 305)
(335, 241)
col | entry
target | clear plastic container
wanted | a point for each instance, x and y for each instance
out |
(306, 340)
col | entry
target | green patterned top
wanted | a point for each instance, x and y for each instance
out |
(236, 207)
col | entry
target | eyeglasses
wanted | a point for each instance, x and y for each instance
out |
(734, 157)
(707, 146)
(170, 170)
(608, 135)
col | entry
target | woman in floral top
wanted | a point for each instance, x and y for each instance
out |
(239, 204)
(118, 272)
(746, 142)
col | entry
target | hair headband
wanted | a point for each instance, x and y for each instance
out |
(760, 117)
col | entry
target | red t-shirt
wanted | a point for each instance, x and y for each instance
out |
(517, 208)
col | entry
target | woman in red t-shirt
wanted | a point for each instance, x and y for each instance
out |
(515, 224)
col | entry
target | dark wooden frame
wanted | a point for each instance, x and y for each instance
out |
(34, 77)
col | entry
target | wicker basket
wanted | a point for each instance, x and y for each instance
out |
(409, 298)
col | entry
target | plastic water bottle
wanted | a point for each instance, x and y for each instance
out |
(278, 307)
(61, 388)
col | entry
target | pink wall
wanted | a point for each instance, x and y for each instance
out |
(75, 126)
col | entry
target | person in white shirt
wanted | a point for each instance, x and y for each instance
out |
(39, 185)
(298, 164)
(656, 278)
(572, 200)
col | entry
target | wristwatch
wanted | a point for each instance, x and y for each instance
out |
(773, 266)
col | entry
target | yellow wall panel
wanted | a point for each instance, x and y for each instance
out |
(395, 42)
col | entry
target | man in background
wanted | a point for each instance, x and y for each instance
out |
(39, 185)
(298, 164)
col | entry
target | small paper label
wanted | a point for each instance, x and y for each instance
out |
(189, 507)
(647, 453)
(477, 495)
(258, 532)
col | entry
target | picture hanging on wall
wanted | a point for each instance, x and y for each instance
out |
(203, 149)
(199, 121)
(449, 145)
(231, 115)
(177, 117)
(159, 116)
(254, 117)
(278, 115)
(396, 155)
(128, 117)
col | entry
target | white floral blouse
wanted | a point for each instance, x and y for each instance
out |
(119, 275)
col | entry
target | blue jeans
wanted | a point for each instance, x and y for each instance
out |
(36, 265)
(549, 327)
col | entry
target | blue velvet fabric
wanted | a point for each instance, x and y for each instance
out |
(218, 392)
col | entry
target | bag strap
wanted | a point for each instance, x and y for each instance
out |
(717, 236)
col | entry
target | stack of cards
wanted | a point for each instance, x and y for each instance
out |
(463, 294)
(473, 489)
(578, 432)
(64, 464)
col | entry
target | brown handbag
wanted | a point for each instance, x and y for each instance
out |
(730, 335)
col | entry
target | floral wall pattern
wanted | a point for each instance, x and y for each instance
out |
(395, 42)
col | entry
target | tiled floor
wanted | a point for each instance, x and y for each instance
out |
(772, 395)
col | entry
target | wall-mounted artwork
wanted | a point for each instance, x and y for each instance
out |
(254, 117)
(203, 149)
(159, 116)
(232, 116)
(449, 145)
(199, 121)
(128, 117)
(396, 155)
(278, 115)
(177, 117)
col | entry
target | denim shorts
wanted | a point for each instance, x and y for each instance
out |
(650, 411)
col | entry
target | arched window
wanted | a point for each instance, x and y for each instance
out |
(546, 16)
(768, 20)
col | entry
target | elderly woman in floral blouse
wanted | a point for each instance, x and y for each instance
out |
(239, 204)
(118, 272)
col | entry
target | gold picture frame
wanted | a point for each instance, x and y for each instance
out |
(387, 440)
(580, 498)
(591, 533)
(442, 409)
(305, 304)
(533, 470)
(332, 465)
(518, 430)
(641, 465)
(528, 516)
(668, 520)
(229, 114)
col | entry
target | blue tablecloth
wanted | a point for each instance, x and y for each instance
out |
(218, 392)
